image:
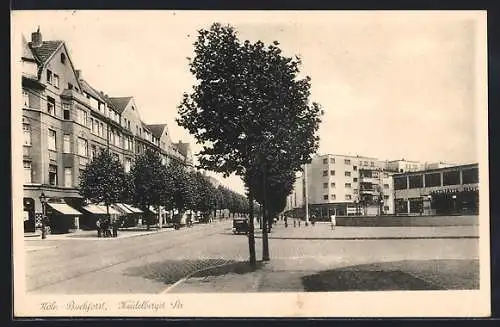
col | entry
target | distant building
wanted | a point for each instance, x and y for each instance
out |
(403, 165)
(350, 185)
(441, 191)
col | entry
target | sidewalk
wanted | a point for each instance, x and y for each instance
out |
(323, 231)
(91, 235)
(340, 271)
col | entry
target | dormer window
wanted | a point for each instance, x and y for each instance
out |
(63, 58)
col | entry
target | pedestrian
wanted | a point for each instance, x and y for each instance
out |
(99, 230)
(294, 222)
(299, 221)
(313, 220)
(333, 220)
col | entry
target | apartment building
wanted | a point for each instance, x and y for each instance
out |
(350, 185)
(66, 121)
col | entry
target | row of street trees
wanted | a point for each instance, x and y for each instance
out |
(250, 110)
(150, 183)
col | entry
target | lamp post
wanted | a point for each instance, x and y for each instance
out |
(356, 206)
(429, 198)
(454, 197)
(381, 207)
(43, 201)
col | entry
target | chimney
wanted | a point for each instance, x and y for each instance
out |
(36, 38)
(78, 74)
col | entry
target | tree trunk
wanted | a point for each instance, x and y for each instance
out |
(160, 222)
(265, 239)
(251, 237)
(147, 217)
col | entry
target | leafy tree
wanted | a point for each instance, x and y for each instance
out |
(150, 182)
(248, 103)
(103, 180)
(183, 194)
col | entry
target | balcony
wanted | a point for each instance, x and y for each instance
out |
(72, 94)
(52, 155)
(26, 151)
(83, 161)
(367, 191)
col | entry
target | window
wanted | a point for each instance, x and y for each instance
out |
(386, 197)
(400, 183)
(56, 80)
(332, 185)
(26, 99)
(451, 178)
(98, 128)
(355, 179)
(416, 181)
(63, 58)
(93, 151)
(386, 185)
(347, 185)
(102, 129)
(347, 161)
(325, 161)
(52, 175)
(66, 115)
(70, 86)
(49, 76)
(348, 197)
(27, 134)
(355, 191)
(372, 164)
(128, 124)
(27, 172)
(81, 117)
(51, 105)
(82, 147)
(66, 143)
(334, 197)
(470, 176)
(325, 185)
(325, 197)
(348, 173)
(52, 140)
(325, 172)
(354, 168)
(68, 177)
(128, 164)
(332, 160)
(332, 172)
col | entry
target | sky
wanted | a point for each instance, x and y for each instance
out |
(392, 85)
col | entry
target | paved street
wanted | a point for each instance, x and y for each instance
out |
(306, 258)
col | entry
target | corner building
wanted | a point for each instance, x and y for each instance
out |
(66, 122)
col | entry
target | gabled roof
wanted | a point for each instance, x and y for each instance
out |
(86, 87)
(27, 54)
(120, 103)
(182, 147)
(44, 52)
(157, 129)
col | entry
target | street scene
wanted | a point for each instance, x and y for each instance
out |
(210, 258)
(256, 153)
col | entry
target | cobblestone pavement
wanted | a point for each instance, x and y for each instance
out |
(153, 263)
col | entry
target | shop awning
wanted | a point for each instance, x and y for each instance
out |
(133, 209)
(95, 209)
(112, 211)
(64, 209)
(123, 208)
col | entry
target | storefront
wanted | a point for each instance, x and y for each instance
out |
(62, 218)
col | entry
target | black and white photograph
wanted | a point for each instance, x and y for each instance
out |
(250, 163)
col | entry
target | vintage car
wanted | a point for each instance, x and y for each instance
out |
(240, 225)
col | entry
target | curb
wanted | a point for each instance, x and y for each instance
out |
(182, 280)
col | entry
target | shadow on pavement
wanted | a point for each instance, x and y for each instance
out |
(170, 271)
(398, 275)
(240, 268)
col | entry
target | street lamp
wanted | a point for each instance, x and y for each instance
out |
(454, 197)
(381, 207)
(43, 201)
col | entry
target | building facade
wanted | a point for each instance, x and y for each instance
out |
(66, 122)
(440, 191)
(350, 185)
